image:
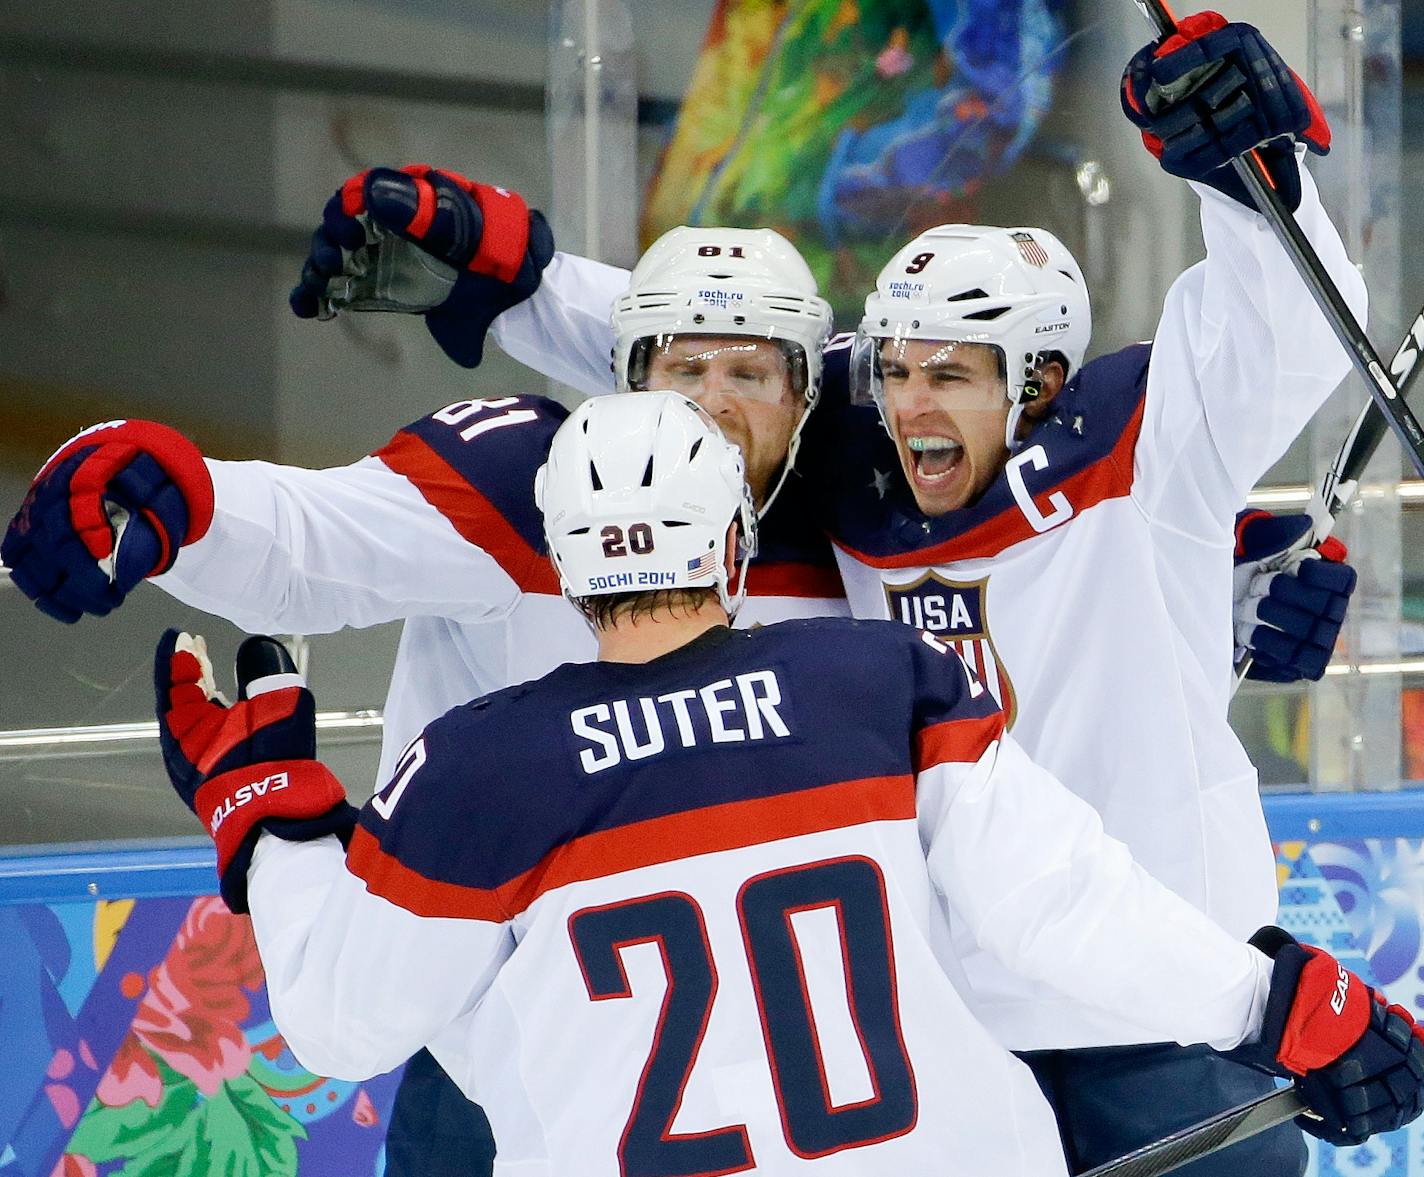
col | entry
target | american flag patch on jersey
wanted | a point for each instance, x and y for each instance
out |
(1032, 251)
(704, 564)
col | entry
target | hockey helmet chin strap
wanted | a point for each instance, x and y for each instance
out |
(793, 447)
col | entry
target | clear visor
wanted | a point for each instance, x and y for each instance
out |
(956, 373)
(760, 369)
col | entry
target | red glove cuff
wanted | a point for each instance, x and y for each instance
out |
(1331, 548)
(505, 238)
(231, 804)
(504, 241)
(1317, 134)
(1189, 29)
(1242, 521)
(1329, 1014)
(178, 457)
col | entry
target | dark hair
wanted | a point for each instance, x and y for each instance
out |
(604, 611)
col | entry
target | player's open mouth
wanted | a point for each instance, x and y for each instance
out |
(935, 458)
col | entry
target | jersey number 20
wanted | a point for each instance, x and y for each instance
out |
(854, 889)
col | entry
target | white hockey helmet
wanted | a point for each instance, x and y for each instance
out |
(724, 282)
(638, 493)
(1017, 290)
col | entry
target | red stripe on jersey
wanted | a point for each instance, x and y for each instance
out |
(646, 843)
(469, 512)
(956, 741)
(785, 578)
(1110, 477)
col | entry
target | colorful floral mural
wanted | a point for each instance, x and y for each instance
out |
(139, 1042)
(851, 125)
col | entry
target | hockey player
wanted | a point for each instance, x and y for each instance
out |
(684, 910)
(1088, 511)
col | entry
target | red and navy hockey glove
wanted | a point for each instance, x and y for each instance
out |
(1214, 91)
(494, 245)
(249, 767)
(1290, 600)
(136, 485)
(1359, 1062)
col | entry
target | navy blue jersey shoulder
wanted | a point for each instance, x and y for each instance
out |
(737, 715)
(855, 482)
(495, 447)
(790, 532)
(492, 446)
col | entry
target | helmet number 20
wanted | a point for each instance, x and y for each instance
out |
(638, 539)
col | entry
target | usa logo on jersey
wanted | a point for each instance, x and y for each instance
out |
(955, 612)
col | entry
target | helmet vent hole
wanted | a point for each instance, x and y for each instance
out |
(579, 531)
(593, 473)
(1070, 278)
(965, 295)
(696, 445)
(676, 523)
(989, 315)
(648, 472)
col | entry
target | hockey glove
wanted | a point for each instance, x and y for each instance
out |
(248, 767)
(112, 507)
(426, 242)
(1359, 1063)
(1290, 600)
(1214, 91)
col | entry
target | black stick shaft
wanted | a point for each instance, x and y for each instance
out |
(1395, 413)
(1211, 1135)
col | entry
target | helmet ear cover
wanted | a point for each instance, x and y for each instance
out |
(1033, 374)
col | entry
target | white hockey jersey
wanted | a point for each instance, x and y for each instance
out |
(439, 528)
(1091, 586)
(689, 916)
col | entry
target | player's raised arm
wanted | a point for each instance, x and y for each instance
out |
(471, 258)
(1242, 357)
(356, 982)
(440, 521)
(1027, 865)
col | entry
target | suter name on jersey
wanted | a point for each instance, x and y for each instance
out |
(728, 711)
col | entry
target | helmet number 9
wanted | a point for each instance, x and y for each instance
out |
(639, 540)
(919, 262)
(716, 251)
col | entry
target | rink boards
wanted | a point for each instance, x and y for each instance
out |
(136, 1037)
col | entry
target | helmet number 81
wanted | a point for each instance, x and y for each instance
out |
(639, 540)
(716, 251)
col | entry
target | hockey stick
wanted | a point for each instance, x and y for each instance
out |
(1307, 263)
(1211, 1135)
